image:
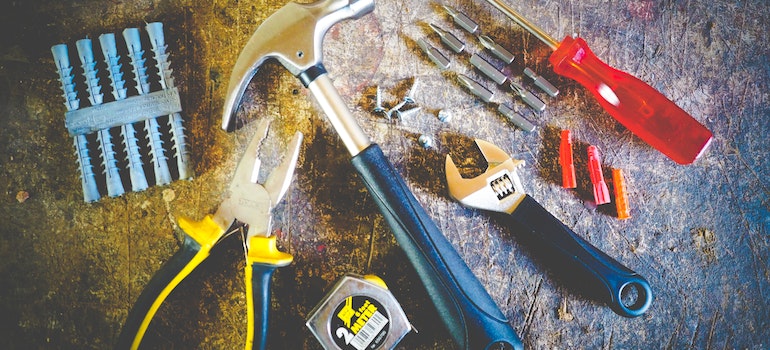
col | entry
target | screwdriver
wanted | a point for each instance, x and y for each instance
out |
(633, 103)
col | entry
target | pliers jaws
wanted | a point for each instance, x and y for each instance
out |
(249, 202)
(497, 189)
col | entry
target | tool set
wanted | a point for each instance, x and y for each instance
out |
(498, 51)
(359, 312)
(120, 115)
(465, 307)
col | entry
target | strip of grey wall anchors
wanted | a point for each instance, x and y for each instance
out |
(131, 110)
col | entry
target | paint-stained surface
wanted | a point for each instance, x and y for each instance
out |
(699, 233)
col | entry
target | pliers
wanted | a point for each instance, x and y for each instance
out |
(247, 207)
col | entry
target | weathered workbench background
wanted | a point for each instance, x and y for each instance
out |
(701, 233)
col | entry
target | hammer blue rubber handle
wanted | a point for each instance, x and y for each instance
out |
(465, 307)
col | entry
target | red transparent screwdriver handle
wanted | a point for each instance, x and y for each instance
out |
(633, 103)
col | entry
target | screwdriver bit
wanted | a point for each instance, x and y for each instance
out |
(515, 118)
(477, 89)
(485, 95)
(448, 39)
(488, 69)
(469, 25)
(526, 96)
(434, 54)
(462, 20)
(497, 50)
(498, 77)
(542, 83)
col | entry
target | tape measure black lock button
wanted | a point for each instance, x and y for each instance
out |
(359, 313)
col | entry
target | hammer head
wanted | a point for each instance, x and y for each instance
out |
(293, 35)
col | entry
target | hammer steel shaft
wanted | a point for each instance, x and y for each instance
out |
(293, 36)
(339, 115)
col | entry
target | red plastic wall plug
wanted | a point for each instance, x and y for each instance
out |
(621, 200)
(601, 193)
(566, 161)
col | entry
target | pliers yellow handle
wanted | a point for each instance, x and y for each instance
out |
(261, 261)
(200, 237)
(248, 205)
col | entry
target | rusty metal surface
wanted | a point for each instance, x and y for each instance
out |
(699, 233)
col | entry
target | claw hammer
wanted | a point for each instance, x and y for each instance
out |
(293, 36)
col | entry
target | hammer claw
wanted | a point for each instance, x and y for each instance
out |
(292, 35)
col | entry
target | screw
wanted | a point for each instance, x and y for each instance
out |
(378, 102)
(444, 116)
(395, 109)
(408, 113)
(425, 140)
(409, 98)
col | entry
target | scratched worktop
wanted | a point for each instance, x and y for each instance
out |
(700, 233)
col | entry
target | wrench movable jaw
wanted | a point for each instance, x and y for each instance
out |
(497, 189)
(293, 36)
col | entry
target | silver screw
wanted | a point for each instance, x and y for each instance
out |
(395, 109)
(425, 140)
(378, 109)
(409, 112)
(444, 116)
(409, 98)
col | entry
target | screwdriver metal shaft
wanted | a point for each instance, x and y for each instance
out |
(524, 23)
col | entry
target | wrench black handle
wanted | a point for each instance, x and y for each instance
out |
(578, 263)
(465, 307)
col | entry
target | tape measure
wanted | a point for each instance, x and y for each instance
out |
(359, 313)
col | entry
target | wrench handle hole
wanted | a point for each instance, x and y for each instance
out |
(633, 296)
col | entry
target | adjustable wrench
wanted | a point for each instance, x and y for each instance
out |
(582, 265)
